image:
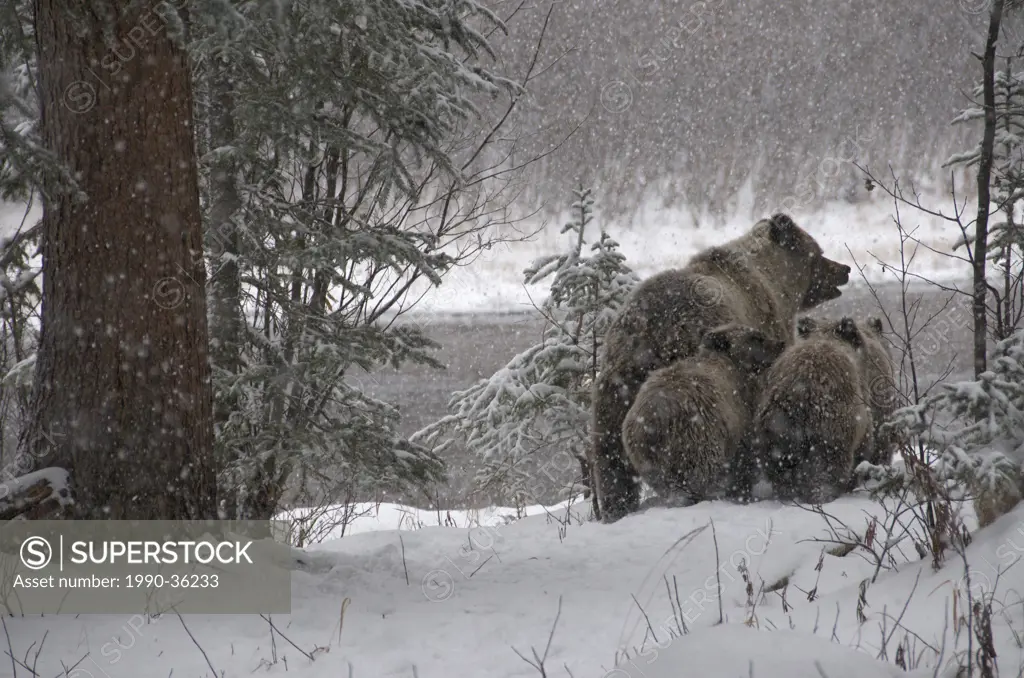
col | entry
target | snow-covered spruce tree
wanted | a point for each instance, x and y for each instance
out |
(538, 405)
(978, 429)
(23, 165)
(346, 159)
(21, 155)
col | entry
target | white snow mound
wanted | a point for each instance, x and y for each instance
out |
(738, 651)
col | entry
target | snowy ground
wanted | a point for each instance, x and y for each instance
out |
(441, 601)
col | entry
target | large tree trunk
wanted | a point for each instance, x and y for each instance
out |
(123, 396)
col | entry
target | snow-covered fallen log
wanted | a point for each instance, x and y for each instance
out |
(34, 495)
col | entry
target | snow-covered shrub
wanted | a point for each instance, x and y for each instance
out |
(538, 405)
(24, 163)
(977, 428)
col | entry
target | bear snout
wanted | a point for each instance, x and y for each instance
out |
(827, 278)
(838, 274)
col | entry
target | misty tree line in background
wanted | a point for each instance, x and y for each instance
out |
(687, 101)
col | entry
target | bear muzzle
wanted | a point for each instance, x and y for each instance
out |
(828, 277)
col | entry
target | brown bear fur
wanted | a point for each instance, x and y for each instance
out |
(993, 500)
(878, 382)
(812, 419)
(879, 377)
(760, 280)
(688, 419)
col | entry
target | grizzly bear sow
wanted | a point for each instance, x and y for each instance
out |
(684, 429)
(760, 280)
(813, 419)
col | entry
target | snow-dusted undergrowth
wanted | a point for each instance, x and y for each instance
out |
(440, 601)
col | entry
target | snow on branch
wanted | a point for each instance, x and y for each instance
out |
(34, 495)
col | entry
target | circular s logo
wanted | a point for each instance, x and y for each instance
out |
(980, 584)
(168, 293)
(36, 553)
(616, 96)
(437, 586)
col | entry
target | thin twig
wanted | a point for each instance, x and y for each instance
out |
(196, 643)
(10, 647)
(899, 619)
(718, 574)
(644, 613)
(405, 566)
(538, 661)
(307, 655)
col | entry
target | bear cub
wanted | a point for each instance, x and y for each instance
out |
(813, 420)
(686, 424)
(878, 382)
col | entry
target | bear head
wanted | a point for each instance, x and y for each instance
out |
(749, 349)
(806, 326)
(846, 329)
(827, 276)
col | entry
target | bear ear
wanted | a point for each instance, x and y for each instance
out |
(875, 323)
(847, 330)
(716, 341)
(805, 326)
(783, 231)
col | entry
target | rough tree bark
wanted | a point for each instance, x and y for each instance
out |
(123, 394)
(980, 255)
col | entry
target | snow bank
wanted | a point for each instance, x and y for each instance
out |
(738, 650)
(361, 517)
(445, 601)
